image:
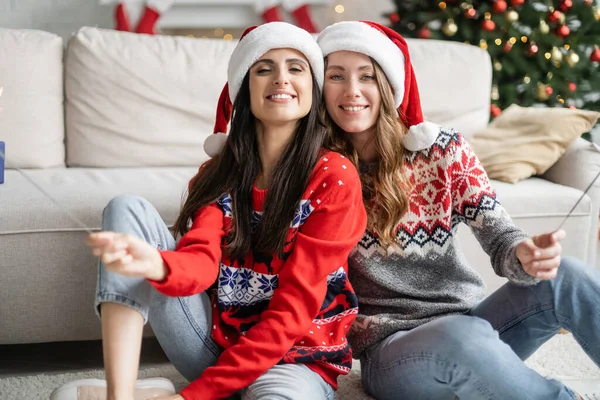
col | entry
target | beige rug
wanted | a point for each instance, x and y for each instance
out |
(560, 358)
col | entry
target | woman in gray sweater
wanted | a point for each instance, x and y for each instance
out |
(422, 331)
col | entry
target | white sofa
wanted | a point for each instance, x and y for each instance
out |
(118, 113)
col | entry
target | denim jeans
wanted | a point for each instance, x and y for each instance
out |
(182, 325)
(480, 355)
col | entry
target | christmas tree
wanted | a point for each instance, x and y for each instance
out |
(543, 52)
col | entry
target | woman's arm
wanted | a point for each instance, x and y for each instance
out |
(474, 202)
(321, 247)
(194, 264)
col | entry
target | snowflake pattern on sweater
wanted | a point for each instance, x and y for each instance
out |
(269, 310)
(427, 276)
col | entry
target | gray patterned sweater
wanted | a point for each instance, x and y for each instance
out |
(428, 277)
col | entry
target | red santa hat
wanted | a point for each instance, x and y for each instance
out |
(390, 50)
(254, 43)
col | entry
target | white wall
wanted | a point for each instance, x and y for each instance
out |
(371, 10)
(57, 16)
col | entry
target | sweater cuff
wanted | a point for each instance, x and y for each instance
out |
(166, 284)
(514, 271)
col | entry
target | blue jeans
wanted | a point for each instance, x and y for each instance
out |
(182, 325)
(480, 355)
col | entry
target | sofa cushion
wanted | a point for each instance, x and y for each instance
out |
(84, 193)
(539, 198)
(32, 116)
(141, 100)
(455, 81)
(526, 141)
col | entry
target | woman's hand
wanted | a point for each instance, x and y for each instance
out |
(173, 397)
(540, 255)
(127, 255)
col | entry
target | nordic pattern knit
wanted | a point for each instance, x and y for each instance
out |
(428, 277)
(268, 310)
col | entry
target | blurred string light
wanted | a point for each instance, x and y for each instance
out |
(339, 9)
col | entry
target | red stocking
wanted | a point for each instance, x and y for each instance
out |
(121, 17)
(269, 10)
(154, 9)
(301, 12)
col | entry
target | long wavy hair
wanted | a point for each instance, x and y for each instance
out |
(386, 187)
(235, 170)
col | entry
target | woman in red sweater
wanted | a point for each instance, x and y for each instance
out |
(254, 298)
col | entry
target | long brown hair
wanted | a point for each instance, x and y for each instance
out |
(386, 187)
(236, 168)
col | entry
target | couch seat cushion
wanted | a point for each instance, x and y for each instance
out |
(84, 193)
(539, 198)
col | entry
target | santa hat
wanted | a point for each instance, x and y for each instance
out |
(254, 43)
(390, 50)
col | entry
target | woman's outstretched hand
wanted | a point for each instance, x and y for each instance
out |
(540, 255)
(173, 397)
(127, 255)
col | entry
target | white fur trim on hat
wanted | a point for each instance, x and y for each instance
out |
(266, 37)
(213, 144)
(421, 136)
(359, 37)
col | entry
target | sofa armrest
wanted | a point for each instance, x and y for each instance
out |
(577, 168)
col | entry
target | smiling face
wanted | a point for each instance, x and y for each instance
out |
(351, 92)
(280, 87)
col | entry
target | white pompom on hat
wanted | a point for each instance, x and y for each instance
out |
(254, 43)
(390, 50)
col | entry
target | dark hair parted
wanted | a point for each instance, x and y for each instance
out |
(235, 170)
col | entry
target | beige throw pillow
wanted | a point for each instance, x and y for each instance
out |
(31, 105)
(522, 142)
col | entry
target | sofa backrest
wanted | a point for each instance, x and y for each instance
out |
(455, 82)
(140, 100)
(31, 104)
